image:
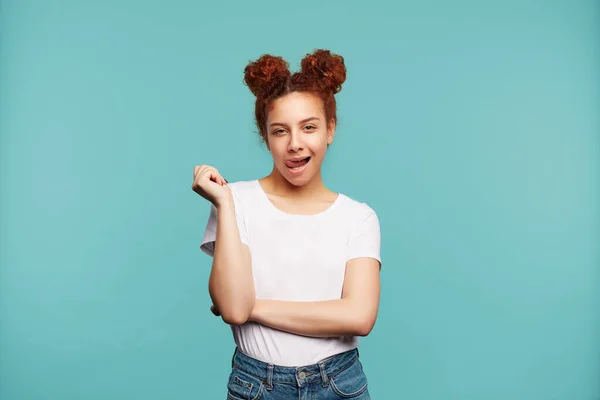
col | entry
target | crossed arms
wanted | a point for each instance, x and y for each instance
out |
(231, 288)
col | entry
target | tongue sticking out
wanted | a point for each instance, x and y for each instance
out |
(296, 164)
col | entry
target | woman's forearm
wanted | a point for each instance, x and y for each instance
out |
(231, 285)
(330, 318)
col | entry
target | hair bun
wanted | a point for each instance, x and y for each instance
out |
(323, 63)
(264, 74)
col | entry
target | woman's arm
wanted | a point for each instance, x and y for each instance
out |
(354, 314)
(230, 284)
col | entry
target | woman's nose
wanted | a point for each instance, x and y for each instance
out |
(295, 143)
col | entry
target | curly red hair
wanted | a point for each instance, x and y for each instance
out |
(269, 78)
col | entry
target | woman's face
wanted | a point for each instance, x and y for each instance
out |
(297, 136)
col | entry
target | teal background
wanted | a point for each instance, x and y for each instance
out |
(472, 128)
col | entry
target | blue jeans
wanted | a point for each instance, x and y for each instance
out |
(338, 377)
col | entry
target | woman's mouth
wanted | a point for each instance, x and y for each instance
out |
(295, 167)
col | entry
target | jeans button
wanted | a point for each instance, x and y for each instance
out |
(302, 375)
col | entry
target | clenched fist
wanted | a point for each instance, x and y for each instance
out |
(209, 184)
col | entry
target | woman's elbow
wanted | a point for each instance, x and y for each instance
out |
(364, 326)
(237, 314)
(235, 318)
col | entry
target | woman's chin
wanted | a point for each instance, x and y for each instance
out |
(297, 179)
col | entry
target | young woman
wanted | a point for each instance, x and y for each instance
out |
(295, 265)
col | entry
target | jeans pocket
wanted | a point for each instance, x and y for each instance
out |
(243, 386)
(350, 382)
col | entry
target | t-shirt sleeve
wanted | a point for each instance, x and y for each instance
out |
(366, 239)
(210, 231)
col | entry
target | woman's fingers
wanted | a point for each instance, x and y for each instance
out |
(216, 177)
(213, 173)
(210, 184)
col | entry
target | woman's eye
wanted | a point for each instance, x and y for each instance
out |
(278, 130)
(309, 127)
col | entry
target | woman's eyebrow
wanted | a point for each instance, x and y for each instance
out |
(305, 120)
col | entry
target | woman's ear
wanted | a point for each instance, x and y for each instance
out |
(331, 131)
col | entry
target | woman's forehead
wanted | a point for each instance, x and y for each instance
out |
(296, 106)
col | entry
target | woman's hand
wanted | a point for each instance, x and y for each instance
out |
(209, 184)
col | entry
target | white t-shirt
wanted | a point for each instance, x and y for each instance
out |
(296, 258)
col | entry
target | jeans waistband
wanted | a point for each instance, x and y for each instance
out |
(271, 373)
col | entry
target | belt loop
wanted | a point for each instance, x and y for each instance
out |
(233, 358)
(270, 377)
(324, 379)
(357, 353)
